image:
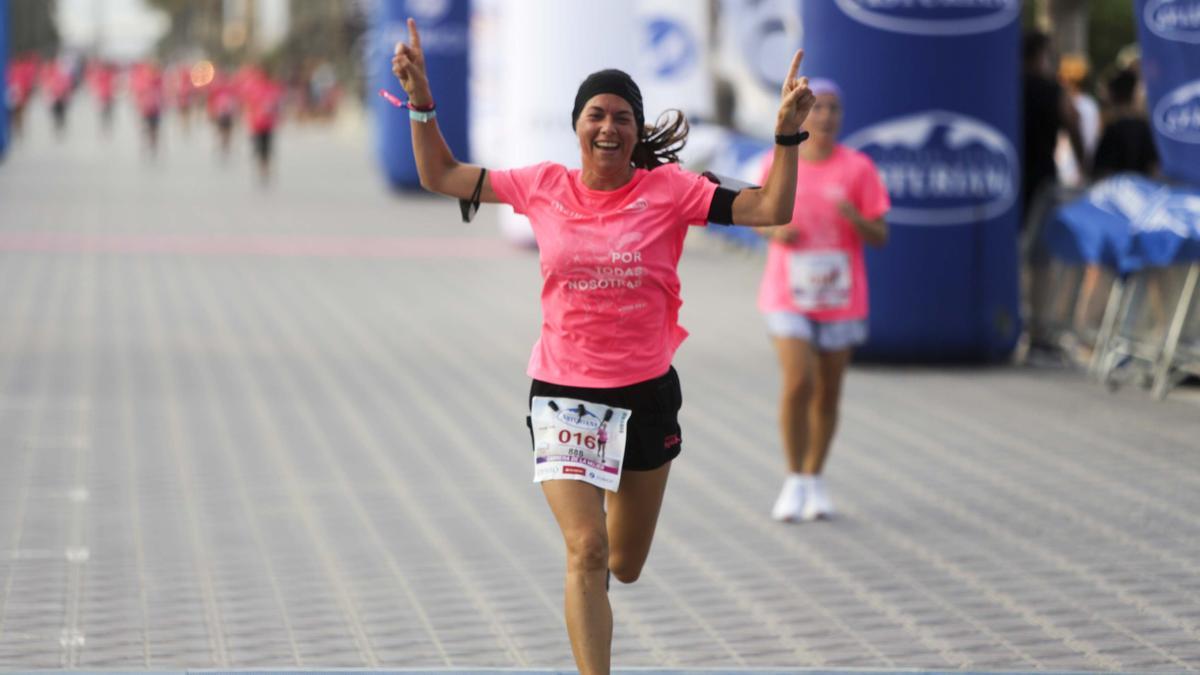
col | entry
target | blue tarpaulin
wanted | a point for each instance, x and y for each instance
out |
(1126, 223)
(1169, 233)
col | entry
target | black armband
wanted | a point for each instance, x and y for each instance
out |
(720, 209)
(469, 207)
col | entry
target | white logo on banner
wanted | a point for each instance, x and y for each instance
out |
(1177, 115)
(769, 33)
(429, 10)
(941, 167)
(933, 17)
(438, 37)
(1177, 20)
(671, 50)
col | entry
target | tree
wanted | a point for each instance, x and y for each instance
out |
(31, 27)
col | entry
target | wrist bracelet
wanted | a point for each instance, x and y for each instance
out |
(421, 115)
(421, 108)
(793, 139)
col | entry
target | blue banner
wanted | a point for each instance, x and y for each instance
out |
(444, 28)
(1169, 33)
(932, 94)
(3, 77)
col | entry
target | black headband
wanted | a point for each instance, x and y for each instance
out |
(611, 81)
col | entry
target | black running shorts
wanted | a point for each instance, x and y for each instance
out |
(654, 437)
(262, 144)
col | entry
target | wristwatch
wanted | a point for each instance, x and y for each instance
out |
(792, 139)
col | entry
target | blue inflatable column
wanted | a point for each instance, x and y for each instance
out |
(1169, 33)
(3, 77)
(444, 29)
(932, 94)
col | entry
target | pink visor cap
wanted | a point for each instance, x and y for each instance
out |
(821, 85)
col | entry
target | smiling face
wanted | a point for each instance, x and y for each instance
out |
(607, 133)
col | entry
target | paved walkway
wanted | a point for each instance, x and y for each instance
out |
(283, 429)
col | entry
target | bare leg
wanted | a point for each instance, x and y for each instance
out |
(1087, 288)
(579, 509)
(823, 408)
(632, 516)
(796, 360)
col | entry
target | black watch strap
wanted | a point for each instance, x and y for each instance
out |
(794, 139)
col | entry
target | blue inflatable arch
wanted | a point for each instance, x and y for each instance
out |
(445, 37)
(932, 94)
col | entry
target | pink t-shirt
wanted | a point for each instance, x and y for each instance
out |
(823, 275)
(610, 285)
(263, 99)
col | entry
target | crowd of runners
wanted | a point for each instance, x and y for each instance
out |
(248, 97)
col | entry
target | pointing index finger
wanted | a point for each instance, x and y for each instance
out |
(414, 38)
(795, 65)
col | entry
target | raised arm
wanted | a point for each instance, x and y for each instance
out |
(774, 202)
(440, 172)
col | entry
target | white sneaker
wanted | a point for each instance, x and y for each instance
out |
(790, 502)
(817, 503)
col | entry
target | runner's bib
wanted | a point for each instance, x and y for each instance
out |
(819, 279)
(578, 440)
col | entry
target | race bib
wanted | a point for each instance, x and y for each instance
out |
(819, 279)
(578, 440)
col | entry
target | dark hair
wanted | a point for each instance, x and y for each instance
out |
(609, 81)
(1122, 86)
(660, 144)
(1033, 45)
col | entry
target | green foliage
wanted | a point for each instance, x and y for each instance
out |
(1028, 16)
(31, 27)
(1111, 26)
(171, 7)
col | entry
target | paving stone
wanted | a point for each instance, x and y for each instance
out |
(263, 392)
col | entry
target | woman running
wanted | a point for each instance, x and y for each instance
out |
(814, 296)
(609, 236)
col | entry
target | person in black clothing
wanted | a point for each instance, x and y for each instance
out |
(1127, 143)
(1047, 110)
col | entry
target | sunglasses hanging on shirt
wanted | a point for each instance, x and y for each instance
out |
(470, 207)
